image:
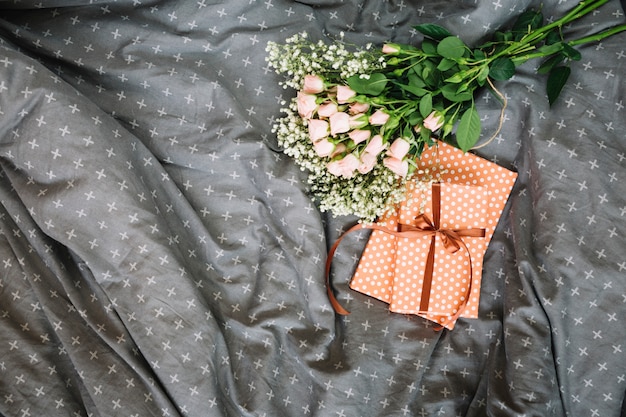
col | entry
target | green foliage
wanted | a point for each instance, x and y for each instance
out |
(550, 63)
(446, 64)
(443, 73)
(556, 81)
(432, 31)
(482, 75)
(571, 53)
(451, 93)
(468, 130)
(526, 23)
(413, 89)
(426, 105)
(554, 36)
(502, 68)
(451, 48)
(372, 85)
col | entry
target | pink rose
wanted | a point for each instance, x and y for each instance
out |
(306, 105)
(324, 147)
(327, 110)
(379, 118)
(390, 49)
(356, 108)
(339, 149)
(318, 129)
(344, 94)
(367, 162)
(399, 148)
(375, 145)
(397, 166)
(339, 123)
(358, 121)
(433, 122)
(312, 84)
(344, 167)
(359, 135)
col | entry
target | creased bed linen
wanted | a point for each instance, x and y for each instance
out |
(160, 256)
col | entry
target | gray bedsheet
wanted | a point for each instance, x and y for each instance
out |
(161, 257)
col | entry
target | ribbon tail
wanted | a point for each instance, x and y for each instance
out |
(331, 295)
(410, 233)
(428, 276)
(335, 303)
(331, 253)
(468, 292)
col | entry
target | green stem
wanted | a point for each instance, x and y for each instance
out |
(589, 8)
(521, 59)
(598, 36)
(406, 55)
(587, 39)
(584, 7)
(528, 42)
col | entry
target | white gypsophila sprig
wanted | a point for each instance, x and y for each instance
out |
(293, 138)
(366, 196)
(299, 56)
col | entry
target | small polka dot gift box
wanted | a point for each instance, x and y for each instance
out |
(426, 258)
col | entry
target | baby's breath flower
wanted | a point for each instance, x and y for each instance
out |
(298, 57)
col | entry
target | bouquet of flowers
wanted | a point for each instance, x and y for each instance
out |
(363, 115)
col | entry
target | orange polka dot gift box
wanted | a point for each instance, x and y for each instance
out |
(426, 258)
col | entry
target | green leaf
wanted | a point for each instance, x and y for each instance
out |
(483, 74)
(451, 48)
(415, 118)
(571, 53)
(449, 91)
(415, 78)
(468, 131)
(426, 105)
(374, 85)
(425, 134)
(417, 91)
(426, 72)
(430, 74)
(433, 31)
(556, 81)
(429, 47)
(446, 64)
(500, 36)
(527, 22)
(479, 55)
(502, 69)
(547, 65)
(554, 36)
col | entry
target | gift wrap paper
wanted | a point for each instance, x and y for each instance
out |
(473, 194)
